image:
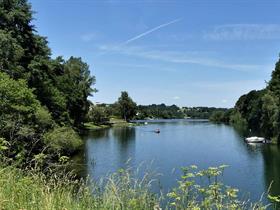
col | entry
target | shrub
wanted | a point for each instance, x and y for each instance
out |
(204, 190)
(63, 140)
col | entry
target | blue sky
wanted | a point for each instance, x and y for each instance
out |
(189, 53)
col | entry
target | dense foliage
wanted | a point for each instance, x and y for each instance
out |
(201, 112)
(258, 110)
(221, 116)
(160, 111)
(39, 96)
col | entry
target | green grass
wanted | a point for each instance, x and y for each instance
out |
(91, 126)
(114, 122)
(33, 190)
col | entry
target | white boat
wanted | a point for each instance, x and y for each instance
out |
(255, 139)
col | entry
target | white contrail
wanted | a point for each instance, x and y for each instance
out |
(150, 31)
(139, 36)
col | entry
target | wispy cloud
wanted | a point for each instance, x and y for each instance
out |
(224, 101)
(88, 37)
(240, 86)
(137, 67)
(176, 97)
(244, 32)
(150, 31)
(181, 57)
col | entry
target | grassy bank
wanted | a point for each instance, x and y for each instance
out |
(33, 190)
(114, 122)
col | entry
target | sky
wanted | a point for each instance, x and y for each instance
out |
(188, 53)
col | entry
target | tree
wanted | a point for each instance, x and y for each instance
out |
(62, 86)
(18, 35)
(22, 118)
(274, 83)
(218, 116)
(76, 85)
(270, 113)
(98, 115)
(127, 106)
(250, 108)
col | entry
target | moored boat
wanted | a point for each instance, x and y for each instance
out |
(255, 139)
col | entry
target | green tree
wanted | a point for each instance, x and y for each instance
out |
(274, 83)
(76, 85)
(44, 78)
(98, 115)
(127, 106)
(22, 118)
(270, 116)
(18, 35)
(249, 106)
(61, 86)
(218, 116)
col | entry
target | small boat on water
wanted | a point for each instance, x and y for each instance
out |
(255, 139)
(157, 131)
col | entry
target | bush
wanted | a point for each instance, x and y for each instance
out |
(204, 190)
(43, 119)
(63, 140)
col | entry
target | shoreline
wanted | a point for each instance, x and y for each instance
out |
(112, 123)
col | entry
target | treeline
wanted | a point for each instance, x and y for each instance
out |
(43, 100)
(258, 109)
(126, 109)
(160, 111)
(201, 112)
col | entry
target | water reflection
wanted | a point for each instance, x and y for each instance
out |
(271, 162)
(182, 143)
(125, 135)
(271, 158)
(125, 138)
(97, 134)
(107, 150)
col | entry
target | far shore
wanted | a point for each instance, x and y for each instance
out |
(115, 122)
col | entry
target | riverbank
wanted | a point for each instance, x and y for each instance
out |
(114, 122)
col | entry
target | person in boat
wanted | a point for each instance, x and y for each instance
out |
(157, 131)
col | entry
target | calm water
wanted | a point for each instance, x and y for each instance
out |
(183, 143)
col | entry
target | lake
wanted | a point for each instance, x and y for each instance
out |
(183, 143)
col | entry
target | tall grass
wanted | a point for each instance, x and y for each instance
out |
(33, 190)
(21, 189)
